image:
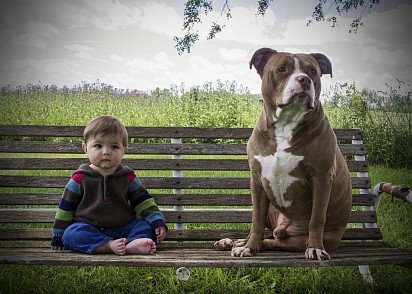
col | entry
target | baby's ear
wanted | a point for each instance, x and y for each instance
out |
(84, 146)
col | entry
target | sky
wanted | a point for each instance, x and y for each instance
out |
(129, 44)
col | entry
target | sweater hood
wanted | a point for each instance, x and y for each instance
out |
(86, 169)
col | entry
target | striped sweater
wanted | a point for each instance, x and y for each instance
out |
(104, 202)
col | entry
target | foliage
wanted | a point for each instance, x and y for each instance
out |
(194, 9)
(386, 119)
(341, 7)
(222, 104)
(192, 12)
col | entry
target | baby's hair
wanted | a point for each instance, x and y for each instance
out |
(105, 125)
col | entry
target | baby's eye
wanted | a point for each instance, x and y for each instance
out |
(114, 147)
(98, 146)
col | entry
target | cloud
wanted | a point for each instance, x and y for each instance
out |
(46, 65)
(78, 48)
(116, 57)
(233, 54)
(31, 33)
(160, 61)
(82, 55)
(29, 40)
(130, 43)
(161, 19)
(106, 15)
(243, 27)
(40, 28)
(162, 58)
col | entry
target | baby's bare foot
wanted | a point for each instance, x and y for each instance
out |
(141, 246)
(118, 246)
(224, 244)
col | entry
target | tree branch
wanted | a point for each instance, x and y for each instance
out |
(194, 9)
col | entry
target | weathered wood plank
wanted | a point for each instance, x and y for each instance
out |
(145, 164)
(149, 148)
(186, 235)
(155, 182)
(134, 132)
(164, 199)
(150, 132)
(46, 215)
(151, 183)
(137, 164)
(205, 258)
(199, 245)
(133, 148)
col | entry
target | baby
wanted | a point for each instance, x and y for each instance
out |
(104, 207)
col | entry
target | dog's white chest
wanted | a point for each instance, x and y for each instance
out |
(276, 168)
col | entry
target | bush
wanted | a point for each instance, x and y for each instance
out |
(388, 134)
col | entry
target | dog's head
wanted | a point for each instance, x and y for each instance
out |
(290, 79)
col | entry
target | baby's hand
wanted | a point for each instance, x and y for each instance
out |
(161, 234)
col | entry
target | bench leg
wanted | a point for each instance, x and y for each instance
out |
(366, 273)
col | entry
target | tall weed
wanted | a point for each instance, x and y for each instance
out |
(387, 133)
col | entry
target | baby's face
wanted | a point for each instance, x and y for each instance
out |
(105, 152)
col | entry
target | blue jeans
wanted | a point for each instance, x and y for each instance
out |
(82, 237)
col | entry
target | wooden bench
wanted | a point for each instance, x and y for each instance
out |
(199, 178)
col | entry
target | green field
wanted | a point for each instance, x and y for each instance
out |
(388, 137)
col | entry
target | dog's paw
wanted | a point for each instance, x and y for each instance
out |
(315, 253)
(224, 244)
(240, 243)
(241, 252)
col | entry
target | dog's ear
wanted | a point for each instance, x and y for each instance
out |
(259, 59)
(324, 63)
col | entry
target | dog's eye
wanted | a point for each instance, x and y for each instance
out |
(313, 71)
(282, 69)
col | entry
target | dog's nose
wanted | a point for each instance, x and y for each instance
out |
(303, 80)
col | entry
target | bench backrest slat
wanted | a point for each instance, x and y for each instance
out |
(146, 164)
(201, 199)
(231, 215)
(151, 132)
(154, 183)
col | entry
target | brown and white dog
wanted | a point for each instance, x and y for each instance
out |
(300, 183)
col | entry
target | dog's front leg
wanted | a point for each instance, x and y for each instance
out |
(260, 204)
(320, 192)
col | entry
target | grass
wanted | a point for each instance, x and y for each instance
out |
(205, 108)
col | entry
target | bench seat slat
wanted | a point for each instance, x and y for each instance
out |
(20, 215)
(187, 235)
(155, 182)
(206, 258)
